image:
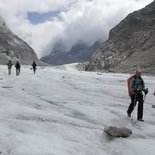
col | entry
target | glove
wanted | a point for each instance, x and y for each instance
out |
(136, 91)
(146, 91)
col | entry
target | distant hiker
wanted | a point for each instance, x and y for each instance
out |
(17, 66)
(137, 87)
(9, 64)
(34, 65)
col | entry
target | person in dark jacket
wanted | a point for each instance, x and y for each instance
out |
(34, 65)
(137, 87)
(17, 66)
(9, 64)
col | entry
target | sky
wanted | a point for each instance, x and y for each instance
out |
(63, 111)
(41, 23)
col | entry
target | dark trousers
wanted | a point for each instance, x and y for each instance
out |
(9, 71)
(17, 71)
(34, 69)
(134, 99)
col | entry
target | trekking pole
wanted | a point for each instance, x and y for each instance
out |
(135, 100)
(145, 95)
(144, 98)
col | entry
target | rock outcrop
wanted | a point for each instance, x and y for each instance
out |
(113, 131)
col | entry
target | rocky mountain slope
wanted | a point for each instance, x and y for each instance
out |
(131, 44)
(14, 48)
(80, 52)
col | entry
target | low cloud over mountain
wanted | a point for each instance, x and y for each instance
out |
(67, 20)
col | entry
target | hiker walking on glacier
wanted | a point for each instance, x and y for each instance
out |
(34, 65)
(9, 64)
(136, 89)
(17, 66)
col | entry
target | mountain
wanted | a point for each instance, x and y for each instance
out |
(80, 52)
(14, 48)
(131, 44)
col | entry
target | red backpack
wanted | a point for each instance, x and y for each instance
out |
(128, 84)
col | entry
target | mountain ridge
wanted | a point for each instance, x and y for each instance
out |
(130, 45)
(14, 48)
(80, 52)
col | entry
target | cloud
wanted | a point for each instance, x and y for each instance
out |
(87, 20)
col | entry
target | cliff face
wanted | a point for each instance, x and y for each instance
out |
(14, 48)
(131, 44)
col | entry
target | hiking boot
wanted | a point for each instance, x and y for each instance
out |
(129, 115)
(141, 120)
